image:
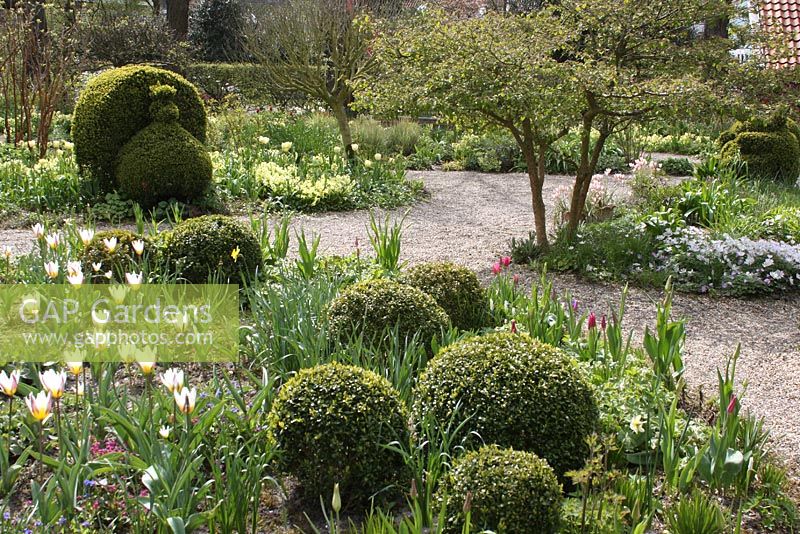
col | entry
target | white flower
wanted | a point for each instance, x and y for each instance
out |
(54, 382)
(74, 267)
(53, 240)
(185, 399)
(75, 279)
(109, 275)
(263, 140)
(286, 146)
(337, 150)
(378, 156)
(134, 279)
(164, 432)
(354, 147)
(111, 244)
(368, 163)
(51, 268)
(38, 230)
(86, 236)
(96, 267)
(7, 252)
(637, 425)
(173, 379)
(138, 247)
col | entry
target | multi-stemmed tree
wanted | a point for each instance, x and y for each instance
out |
(595, 65)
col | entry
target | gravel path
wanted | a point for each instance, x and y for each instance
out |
(470, 218)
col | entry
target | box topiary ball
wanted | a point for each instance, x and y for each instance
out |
(203, 246)
(373, 307)
(518, 393)
(455, 288)
(331, 424)
(115, 105)
(513, 491)
(113, 250)
(163, 161)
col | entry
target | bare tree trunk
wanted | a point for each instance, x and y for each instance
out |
(156, 7)
(178, 17)
(536, 180)
(340, 112)
(590, 155)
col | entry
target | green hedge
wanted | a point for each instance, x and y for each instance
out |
(518, 393)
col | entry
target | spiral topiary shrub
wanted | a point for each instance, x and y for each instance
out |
(163, 161)
(769, 146)
(331, 424)
(518, 393)
(511, 491)
(373, 307)
(115, 105)
(112, 250)
(455, 288)
(205, 246)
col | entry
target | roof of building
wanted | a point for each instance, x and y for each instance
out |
(783, 16)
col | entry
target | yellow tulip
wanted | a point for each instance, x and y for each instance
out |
(75, 368)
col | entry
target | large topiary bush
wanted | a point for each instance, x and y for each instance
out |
(115, 105)
(511, 491)
(163, 161)
(455, 288)
(112, 250)
(374, 306)
(204, 245)
(519, 393)
(769, 146)
(331, 424)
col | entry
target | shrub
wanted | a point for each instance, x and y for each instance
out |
(216, 30)
(399, 138)
(769, 146)
(163, 161)
(121, 260)
(119, 38)
(490, 152)
(221, 79)
(677, 167)
(455, 288)
(116, 105)
(331, 424)
(519, 393)
(284, 184)
(201, 246)
(514, 491)
(373, 307)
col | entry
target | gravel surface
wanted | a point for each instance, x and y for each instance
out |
(470, 218)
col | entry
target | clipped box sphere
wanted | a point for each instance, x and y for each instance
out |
(374, 307)
(519, 392)
(203, 246)
(510, 491)
(331, 424)
(455, 288)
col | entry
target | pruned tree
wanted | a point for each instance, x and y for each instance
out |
(492, 71)
(318, 48)
(595, 65)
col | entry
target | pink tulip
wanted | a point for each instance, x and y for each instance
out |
(732, 404)
(592, 321)
(496, 268)
(505, 260)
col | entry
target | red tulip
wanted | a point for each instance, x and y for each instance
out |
(505, 260)
(592, 321)
(513, 327)
(732, 404)
(603, 322)
(496, 268)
